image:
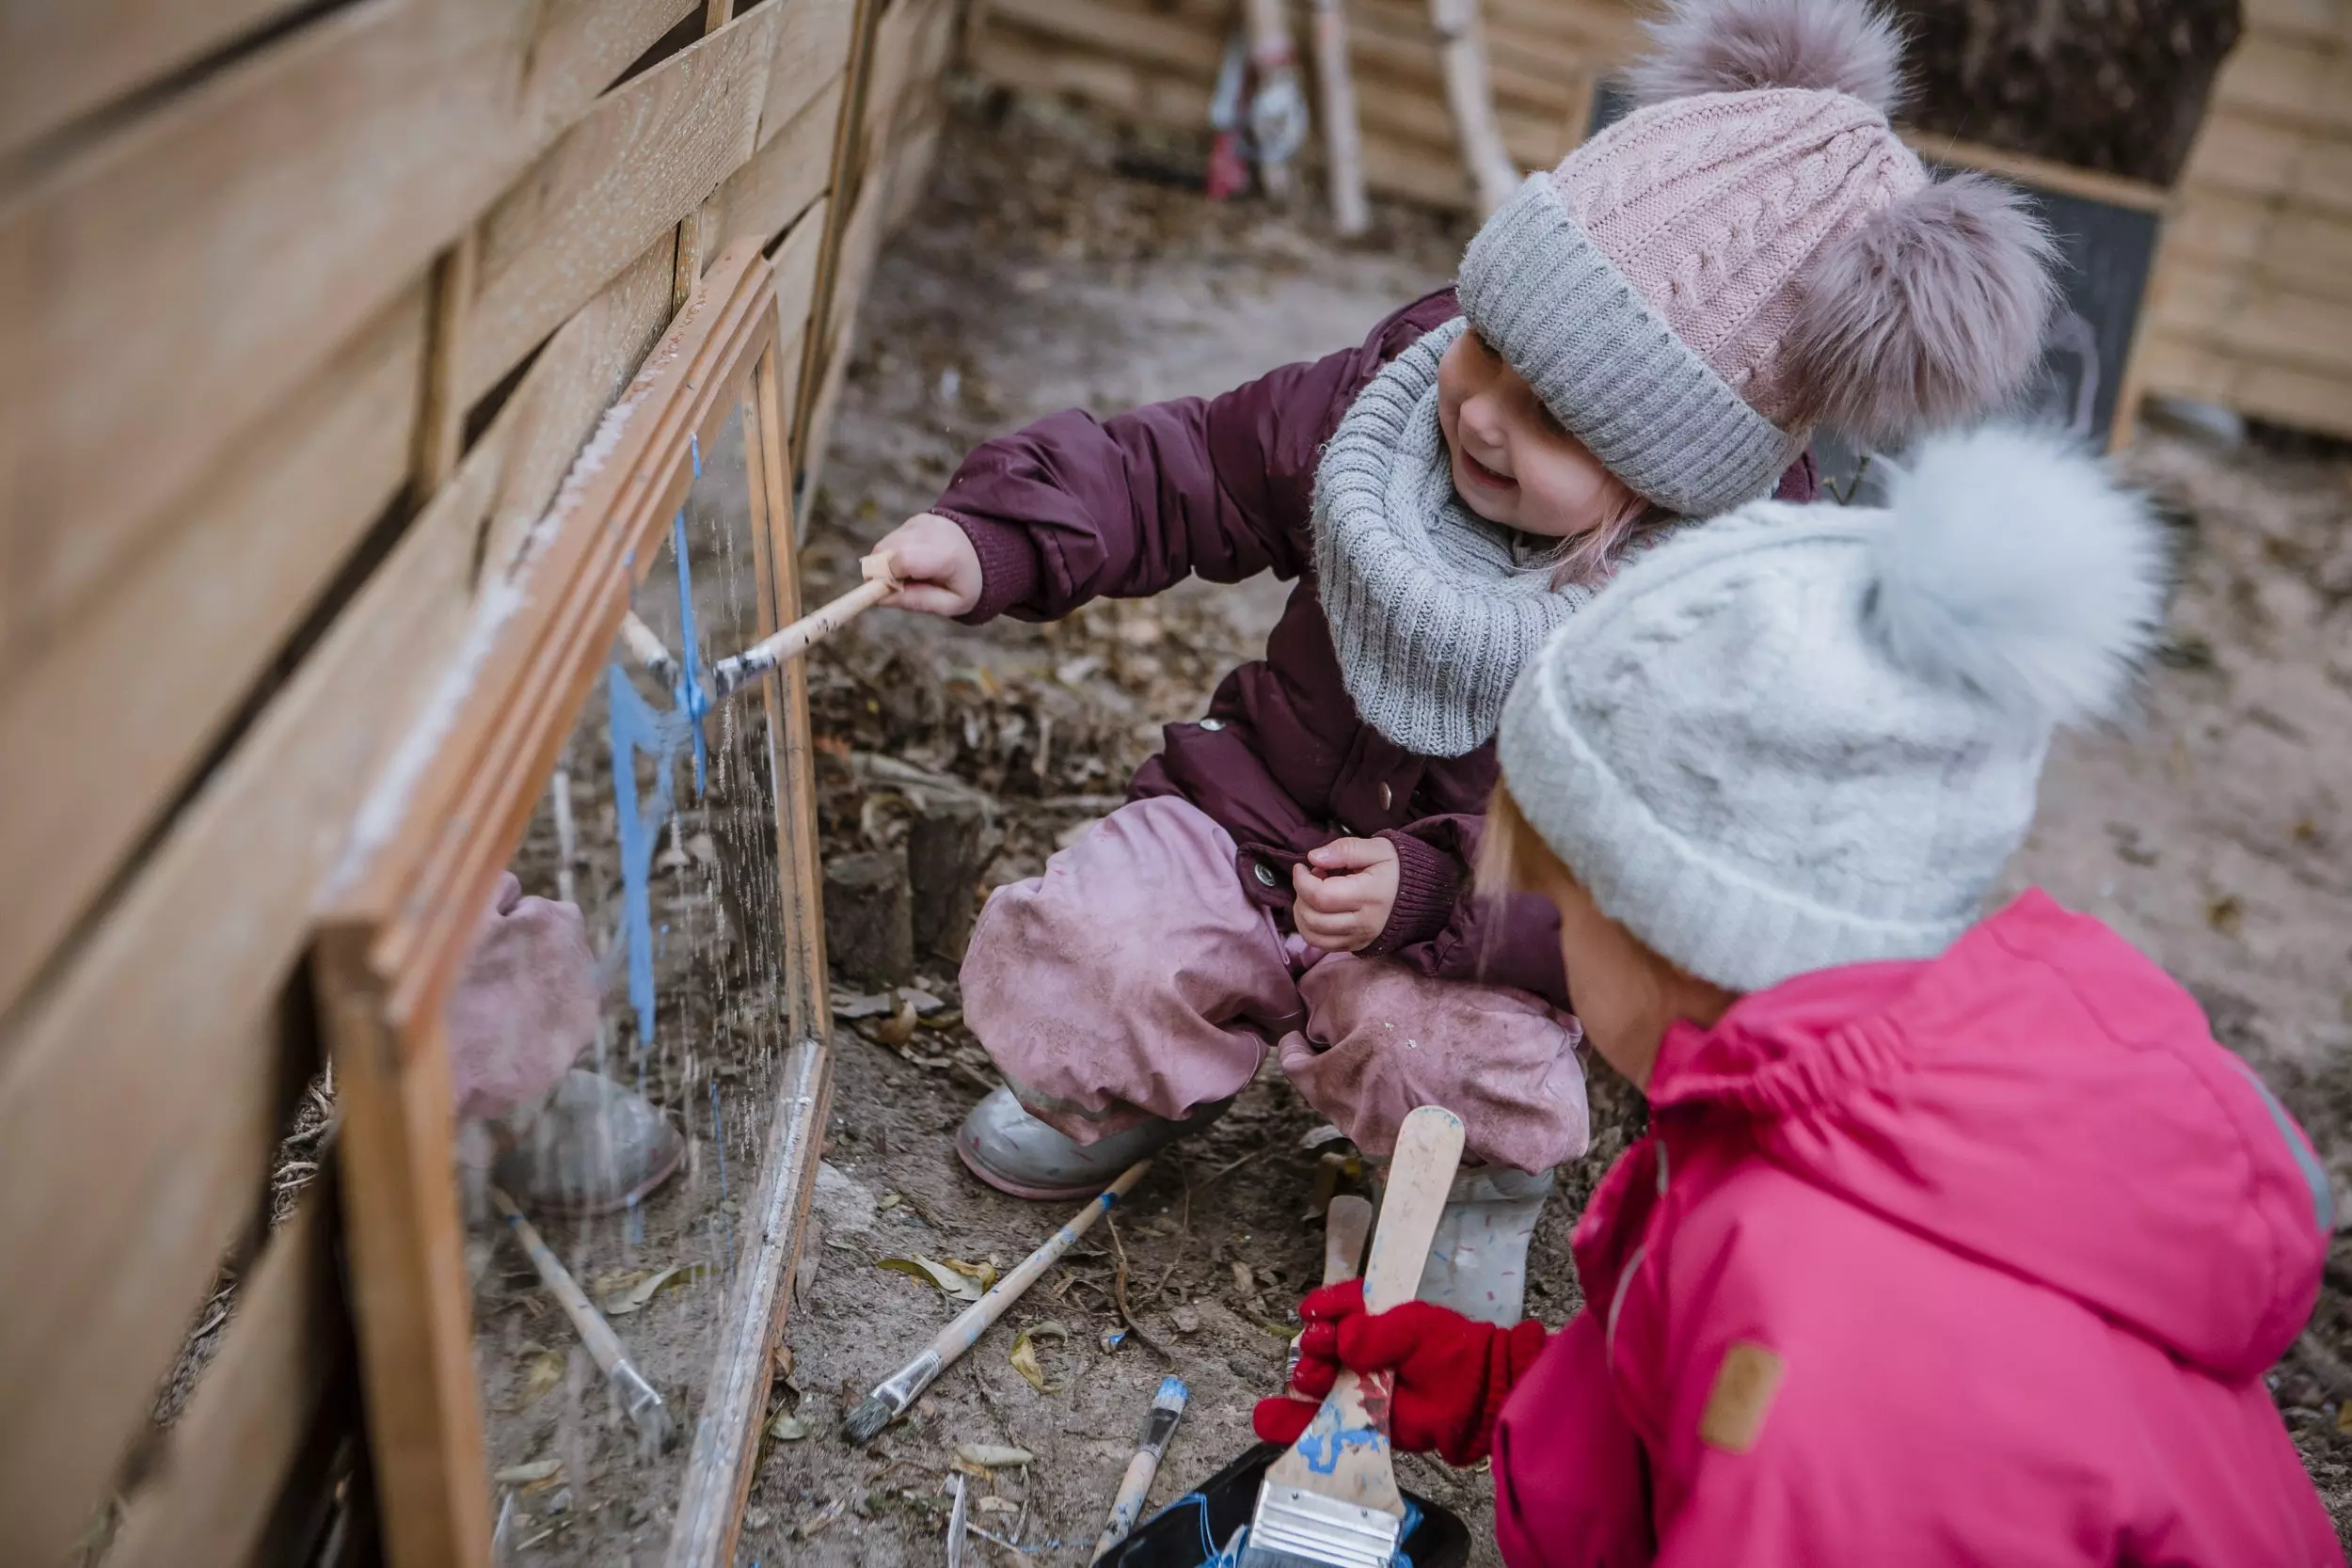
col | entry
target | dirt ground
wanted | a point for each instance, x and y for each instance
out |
(1036, 277)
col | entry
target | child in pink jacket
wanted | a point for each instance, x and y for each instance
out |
(1953, 1240)
(1645, 334)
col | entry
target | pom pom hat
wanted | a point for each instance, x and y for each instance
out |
(1807, 737)
(1753, 252)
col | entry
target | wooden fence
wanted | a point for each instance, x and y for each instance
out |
(2252, 304)
(307, 310)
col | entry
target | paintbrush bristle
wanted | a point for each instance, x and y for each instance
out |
(866, 1423)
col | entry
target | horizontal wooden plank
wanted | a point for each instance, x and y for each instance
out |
(1147, 40)
(233, 241)
(811, 50)
(2300, 399)
(60, 62)
(2249, 157)
(220, 1473)
(2292, 81)
(222, 590)
(760, 199)
(2314, 19)
(2274, 243)
(1027, 61)
(2227, 309)
(642, 158)
(2091, 185)
(134, 1117)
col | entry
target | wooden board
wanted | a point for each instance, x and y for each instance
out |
(124, 1171)
(58, 62)
(216, 1483)
(2302, 399)
(642, 158)
(232, 242)
(782, 179)
(2227, 308)
(249, 555)
(2274, 243)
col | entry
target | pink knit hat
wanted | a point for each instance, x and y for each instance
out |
(1753, 252)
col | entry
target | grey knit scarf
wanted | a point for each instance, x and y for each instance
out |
(1434, 610)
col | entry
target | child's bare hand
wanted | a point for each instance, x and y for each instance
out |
(939, 571)
(1345, 892)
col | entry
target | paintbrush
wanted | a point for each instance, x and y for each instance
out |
(730, 675)
(1159, 1425)
(1331, 1501)
(637, 1398)
(889, 1401)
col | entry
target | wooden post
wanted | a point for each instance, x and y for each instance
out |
(1469, 91)
(1343, 134)
(726, 1436)
(848, 177)
(441, 424)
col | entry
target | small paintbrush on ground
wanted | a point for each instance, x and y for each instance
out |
(1159, 1425)
(637, 1397)
(903, 1386)
(1331, 1501)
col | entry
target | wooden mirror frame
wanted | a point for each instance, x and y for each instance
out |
(444, 822)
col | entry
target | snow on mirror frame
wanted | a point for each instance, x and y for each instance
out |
(541, 666)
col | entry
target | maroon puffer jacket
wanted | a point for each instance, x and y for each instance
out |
(1073, 509)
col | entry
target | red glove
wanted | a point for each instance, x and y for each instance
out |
(1451, 1374)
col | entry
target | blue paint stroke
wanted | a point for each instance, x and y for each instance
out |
(634, 729)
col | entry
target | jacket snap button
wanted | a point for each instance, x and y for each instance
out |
(1266, 872)
(1388, 797)
(1211, 725)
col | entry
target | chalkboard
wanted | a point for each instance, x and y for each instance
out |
(2108, 249)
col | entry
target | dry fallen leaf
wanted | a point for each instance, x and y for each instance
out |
(981, 1274)
(530, 1475)
(894, 1030)
(787, 1428)
(1025, 1361)
(997, 1505)
(541, 1373)
(952, 1279)
(1243, 1281)
(994, 1456)
(634, 1297)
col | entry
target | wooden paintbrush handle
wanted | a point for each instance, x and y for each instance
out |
(1429, 1150)
(1346, 1225)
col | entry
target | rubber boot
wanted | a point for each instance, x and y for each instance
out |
(593, 1149)
(1006, 1146)
(1478, 1261)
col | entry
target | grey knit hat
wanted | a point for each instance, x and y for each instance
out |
(1805, 737)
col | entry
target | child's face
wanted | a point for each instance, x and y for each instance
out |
(1512, 463)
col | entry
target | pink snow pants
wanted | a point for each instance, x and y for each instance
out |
(1136, 979)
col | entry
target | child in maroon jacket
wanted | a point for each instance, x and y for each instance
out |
(1645, 333)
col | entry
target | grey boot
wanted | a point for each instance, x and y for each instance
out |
(1006, 1146)
(1478, 1261)
(594, 1147)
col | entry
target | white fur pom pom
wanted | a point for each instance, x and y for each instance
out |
(1741, 45)
(2012, 565)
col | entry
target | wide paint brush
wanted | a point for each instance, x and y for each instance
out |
(1332, 1501)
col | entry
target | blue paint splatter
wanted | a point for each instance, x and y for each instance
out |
(1321, 1446)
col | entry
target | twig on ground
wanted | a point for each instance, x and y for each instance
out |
(1225, 1170)
(1118, 1298)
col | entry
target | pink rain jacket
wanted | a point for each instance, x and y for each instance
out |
(1973, 1261)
